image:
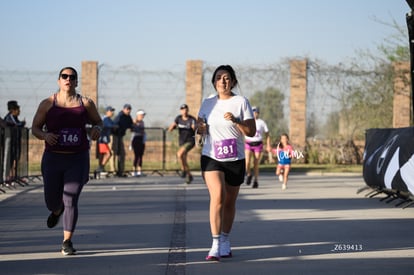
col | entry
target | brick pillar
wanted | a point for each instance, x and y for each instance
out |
(89, 88)
(402, 95)
(194, 85)
(89, 80)
(298, 86)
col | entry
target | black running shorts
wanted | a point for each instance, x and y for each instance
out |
(233, 170)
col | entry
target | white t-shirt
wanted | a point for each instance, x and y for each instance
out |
(261, 129)
(224, 141)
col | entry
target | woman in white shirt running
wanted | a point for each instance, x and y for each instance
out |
(223, 121)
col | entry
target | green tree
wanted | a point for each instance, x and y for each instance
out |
(270, 101)
(312, 126)
(370, 104)
(331, 128)
(365, 87)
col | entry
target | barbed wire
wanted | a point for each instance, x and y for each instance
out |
(161, 92)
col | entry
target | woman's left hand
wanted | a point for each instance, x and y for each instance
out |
(229, 116)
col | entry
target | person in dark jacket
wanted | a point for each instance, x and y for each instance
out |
(124, 122)
(105, 150)
(13, 139)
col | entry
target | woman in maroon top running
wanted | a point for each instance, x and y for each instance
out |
(60, 121)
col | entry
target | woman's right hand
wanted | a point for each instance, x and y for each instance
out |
(51, 138)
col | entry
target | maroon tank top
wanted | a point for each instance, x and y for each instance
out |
(69, 124)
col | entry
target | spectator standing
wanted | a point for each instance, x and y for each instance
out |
(124, 122)
(186, 126)
(254, 148)
(13, 140)
(105, 151)
(60, 121)
(138, 139)
(223, 121)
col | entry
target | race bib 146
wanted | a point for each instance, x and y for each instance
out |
(70, 137)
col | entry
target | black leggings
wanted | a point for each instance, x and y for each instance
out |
(139, 147)
(64, 176)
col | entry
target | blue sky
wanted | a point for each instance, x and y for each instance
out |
(49, 34)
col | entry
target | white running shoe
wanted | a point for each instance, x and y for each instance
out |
(280, 177)
(284, 187)
(213, 255)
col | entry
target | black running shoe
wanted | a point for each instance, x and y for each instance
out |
(189, 179)
(182, 173)
(53, 219)
(67, 248)
(255, 184)
(249, 179)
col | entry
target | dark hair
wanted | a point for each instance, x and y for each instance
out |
(228, 69)
(68, 68)
(286, 135)
(12, 105)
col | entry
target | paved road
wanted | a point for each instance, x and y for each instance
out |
(158, 225)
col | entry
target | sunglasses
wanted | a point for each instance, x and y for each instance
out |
(71, 76)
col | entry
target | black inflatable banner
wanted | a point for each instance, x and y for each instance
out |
(389, 159)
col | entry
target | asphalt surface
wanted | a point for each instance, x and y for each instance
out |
(159, 225)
